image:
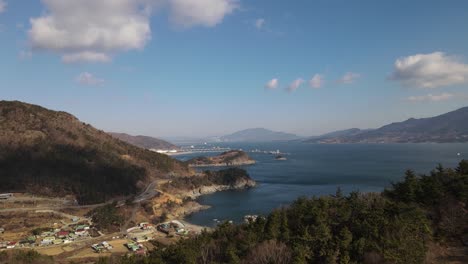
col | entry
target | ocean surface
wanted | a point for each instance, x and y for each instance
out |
(318, 169)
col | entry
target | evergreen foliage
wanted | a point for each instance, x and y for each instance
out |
(390, 227)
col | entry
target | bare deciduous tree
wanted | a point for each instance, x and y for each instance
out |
(270, 252)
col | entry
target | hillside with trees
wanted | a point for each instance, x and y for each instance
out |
(53, 153)
(145, 141)
(400, 225)
(233, 178)
(228, 158)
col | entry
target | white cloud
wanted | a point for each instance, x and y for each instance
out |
(294, 85)
(316, 81)
(94, 31)
(86, 78)
(86, 56)
(430, 70)
(208, 13)
(87, 27)
(259, 23)
(349, 78)
(272, 84)
(431, 97)
(3, 6)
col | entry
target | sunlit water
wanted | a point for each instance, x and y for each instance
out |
(313, 169)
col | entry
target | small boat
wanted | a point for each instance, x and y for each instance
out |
(279, 157)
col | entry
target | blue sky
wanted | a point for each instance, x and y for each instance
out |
(210, 67)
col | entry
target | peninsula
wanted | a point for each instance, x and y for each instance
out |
(228, 158)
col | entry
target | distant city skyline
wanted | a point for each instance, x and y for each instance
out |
(203, 68)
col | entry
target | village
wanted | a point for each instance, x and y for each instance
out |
(55, 233)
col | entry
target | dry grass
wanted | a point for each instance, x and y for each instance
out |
(118, 248)
(20, 224)
(50, 251)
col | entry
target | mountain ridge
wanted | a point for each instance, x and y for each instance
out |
(145, 142)
(258, 135)
(444, 128)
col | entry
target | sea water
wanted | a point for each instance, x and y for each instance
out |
(319, 169)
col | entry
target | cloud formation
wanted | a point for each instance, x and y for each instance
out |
(272, 84)
(294, 85)
(93, 31)
(90, 27)
(431, 97)
(316, 81)
(431, 70)
(349, 78)
(259, 23)
(188, 13)
(86, 78)
(3, 6)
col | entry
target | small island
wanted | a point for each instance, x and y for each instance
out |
(228, 158)
(280, 157)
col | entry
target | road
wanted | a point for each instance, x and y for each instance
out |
(149, 192)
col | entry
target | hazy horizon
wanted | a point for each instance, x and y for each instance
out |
(209, 68)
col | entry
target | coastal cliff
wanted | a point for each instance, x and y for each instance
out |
(180, 193)
(229, 158)
(209, 182)
(240, 184)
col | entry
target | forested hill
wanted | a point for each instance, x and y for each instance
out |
(50, 152)
(144, 141)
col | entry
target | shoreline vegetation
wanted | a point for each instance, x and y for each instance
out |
(225, 159)
(177, 197)
(416, 220)
(209, 182)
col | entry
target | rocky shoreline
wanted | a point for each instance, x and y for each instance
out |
(205, 190)
(190, 206)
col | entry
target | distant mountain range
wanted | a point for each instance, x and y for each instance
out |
(449, 127)
(258, 135)
(144, 141)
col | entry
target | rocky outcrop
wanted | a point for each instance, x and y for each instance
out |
(186, 209)
(179, 194)
(209, 182)
(239, 185)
